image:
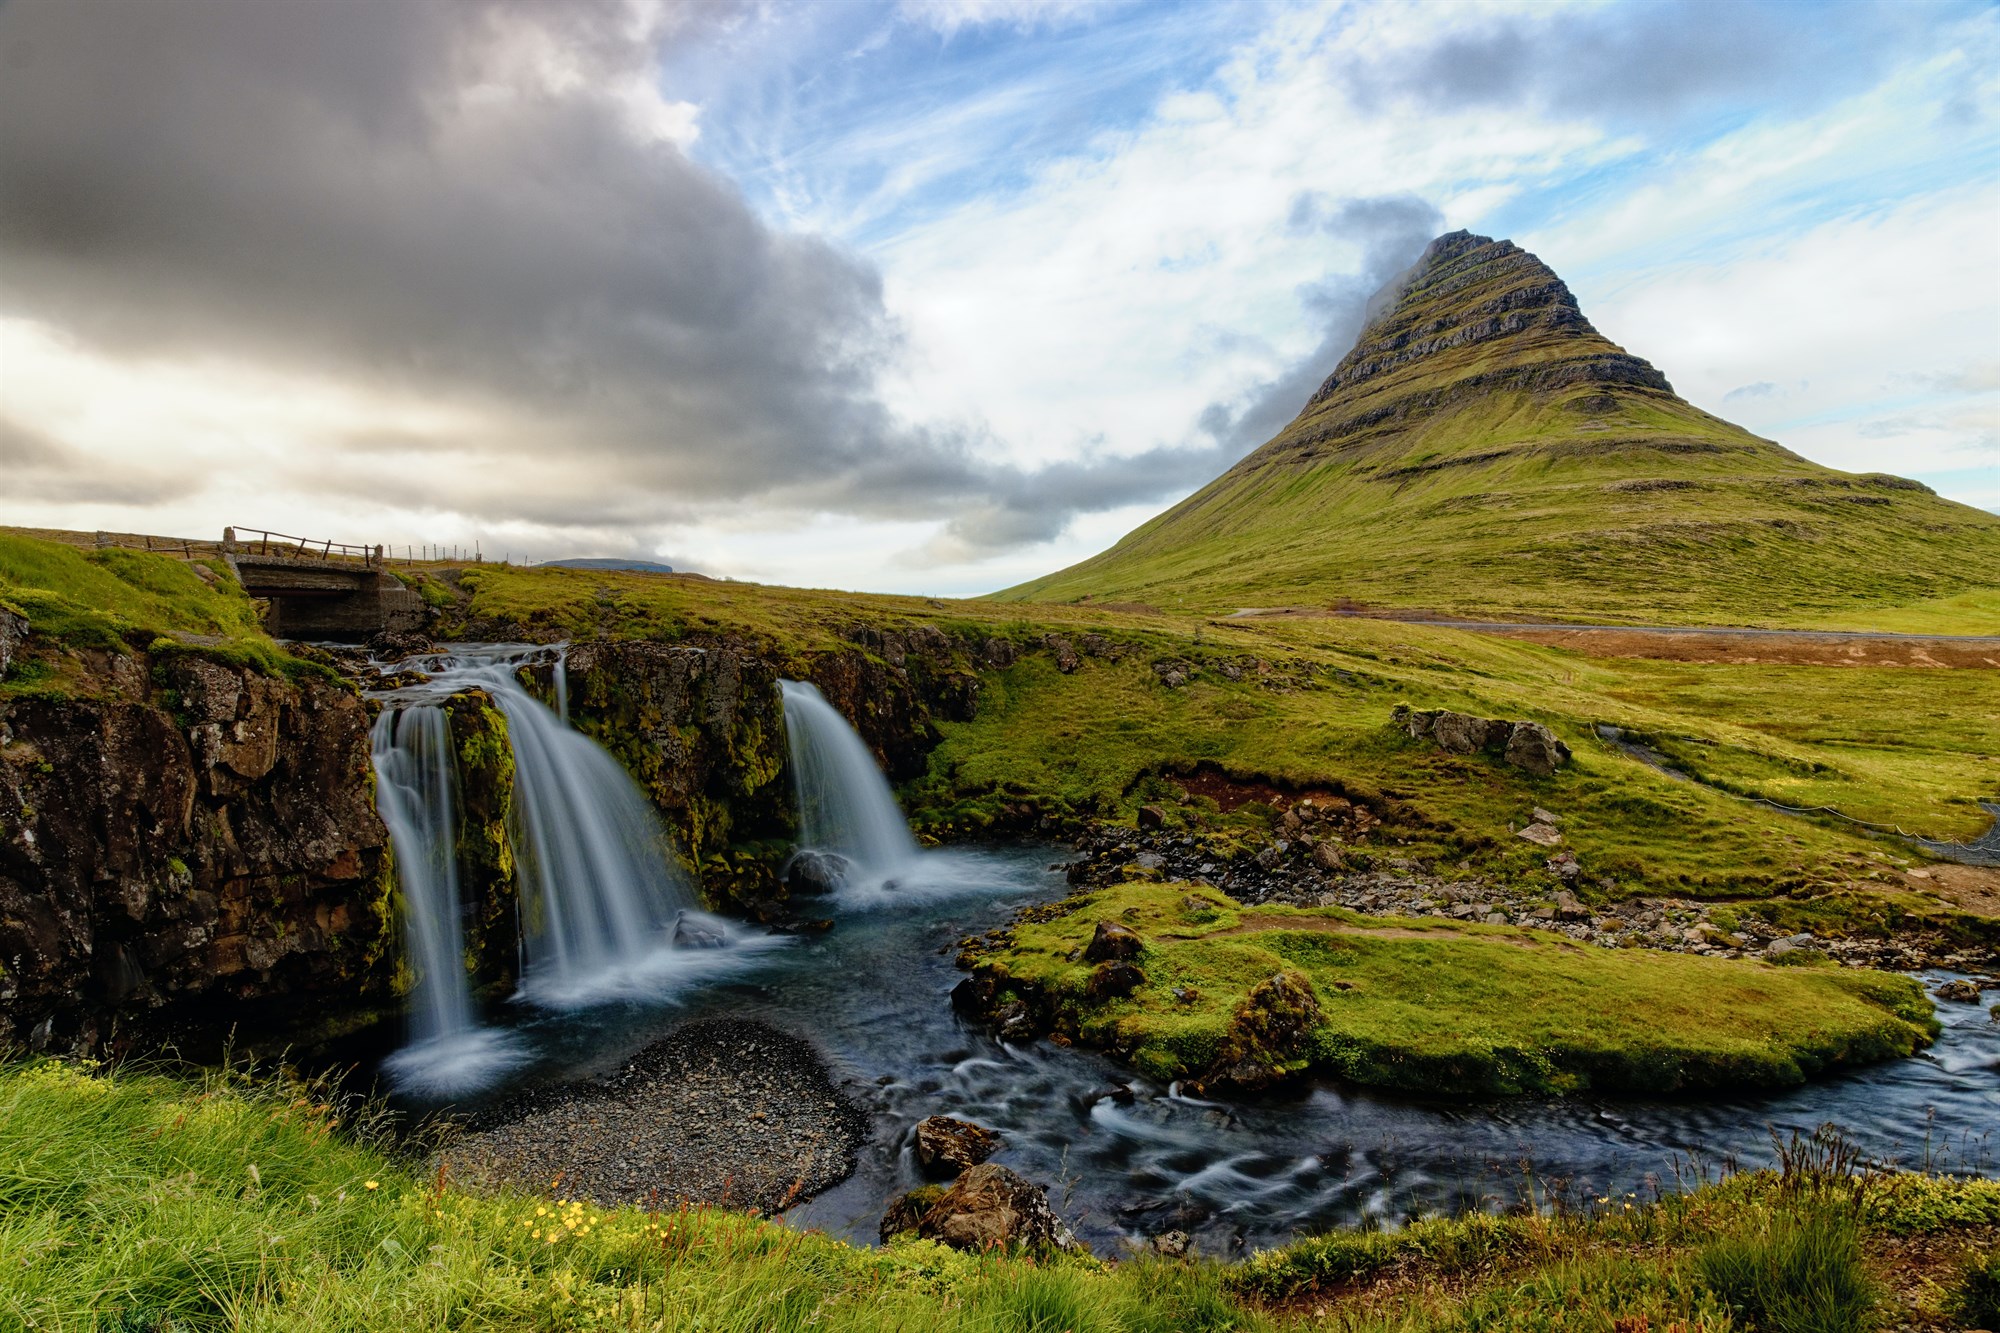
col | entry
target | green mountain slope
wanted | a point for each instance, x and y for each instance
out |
(1484, 450)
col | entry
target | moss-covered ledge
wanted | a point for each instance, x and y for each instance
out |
(1184, 983)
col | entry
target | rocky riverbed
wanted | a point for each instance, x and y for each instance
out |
(1309, 862)
(719, 1112)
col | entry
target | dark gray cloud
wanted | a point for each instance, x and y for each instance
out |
(452, 201)
(1647, 61)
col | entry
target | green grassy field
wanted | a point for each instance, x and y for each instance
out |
(133, 1201)
(1456, 1009)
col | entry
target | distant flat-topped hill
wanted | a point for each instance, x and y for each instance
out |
(1484, 450)
(610, 562)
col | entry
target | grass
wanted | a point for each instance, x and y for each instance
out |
(1448, 483)
(114, 600)
(1798, 1271)
(133, 1200)
(1457, 1009)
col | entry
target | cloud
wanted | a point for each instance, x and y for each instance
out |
(1391, 233)
(1761, 389)
(948, 16)
(1643, 61)
(484, 205)
(1036, 506)
(39, 468)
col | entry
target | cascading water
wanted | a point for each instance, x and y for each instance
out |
(603, 909)
(415, 782)
(845, 805)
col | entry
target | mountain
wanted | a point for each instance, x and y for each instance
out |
(1483, 450)
(610, 562)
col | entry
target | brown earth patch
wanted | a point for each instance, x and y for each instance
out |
(1720, 646)
(1974, 889)
(1230, 792)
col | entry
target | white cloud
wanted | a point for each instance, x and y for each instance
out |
(1872, 335)
(948, 16)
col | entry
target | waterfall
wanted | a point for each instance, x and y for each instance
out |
(415, 780)
(845, 806)
(603, 908)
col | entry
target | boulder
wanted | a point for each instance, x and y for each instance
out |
(907, 1210)
(1535, 749)
(1066, 656)
(1529, 746)
(1542, 835)
(1114, 980)
(1462, 733)
(692, 932)
(1112, 942)
(1789, 944)
(1328, 858)
(813, 873)
(946, 1146)
(1269, 1034)
(1958, 991)
(1173, 673)
(991, 1208)
(1152, 817)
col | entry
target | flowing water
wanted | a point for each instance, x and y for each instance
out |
(415, 790)
(1123, 1158)
(873, 994)
(845, 805)
(604, 908)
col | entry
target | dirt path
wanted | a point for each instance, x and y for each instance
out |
(1695, 643)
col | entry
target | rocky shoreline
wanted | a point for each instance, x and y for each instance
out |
(1307, 863)
(723, 1113)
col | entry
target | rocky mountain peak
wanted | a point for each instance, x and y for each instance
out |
(1474, 306)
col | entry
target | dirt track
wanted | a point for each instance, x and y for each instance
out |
(1678, 643)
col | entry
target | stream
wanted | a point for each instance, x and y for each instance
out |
(872, 993)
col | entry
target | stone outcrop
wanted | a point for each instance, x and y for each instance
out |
(1269, 1035)
(991, 1208)
(187, 847)
(946, 1146)
(1529, 746)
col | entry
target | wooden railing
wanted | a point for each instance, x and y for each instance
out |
(256, 541)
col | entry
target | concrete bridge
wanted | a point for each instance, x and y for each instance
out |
(321, 590)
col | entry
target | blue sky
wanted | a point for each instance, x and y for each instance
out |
(1053, 262)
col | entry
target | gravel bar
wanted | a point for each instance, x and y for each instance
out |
(726, 1113)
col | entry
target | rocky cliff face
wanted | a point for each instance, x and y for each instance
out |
(186, 847)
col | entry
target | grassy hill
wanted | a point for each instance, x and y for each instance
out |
(1484, 450)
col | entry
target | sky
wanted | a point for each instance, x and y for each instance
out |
(926, 295)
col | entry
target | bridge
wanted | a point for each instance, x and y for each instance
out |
(322, 590)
